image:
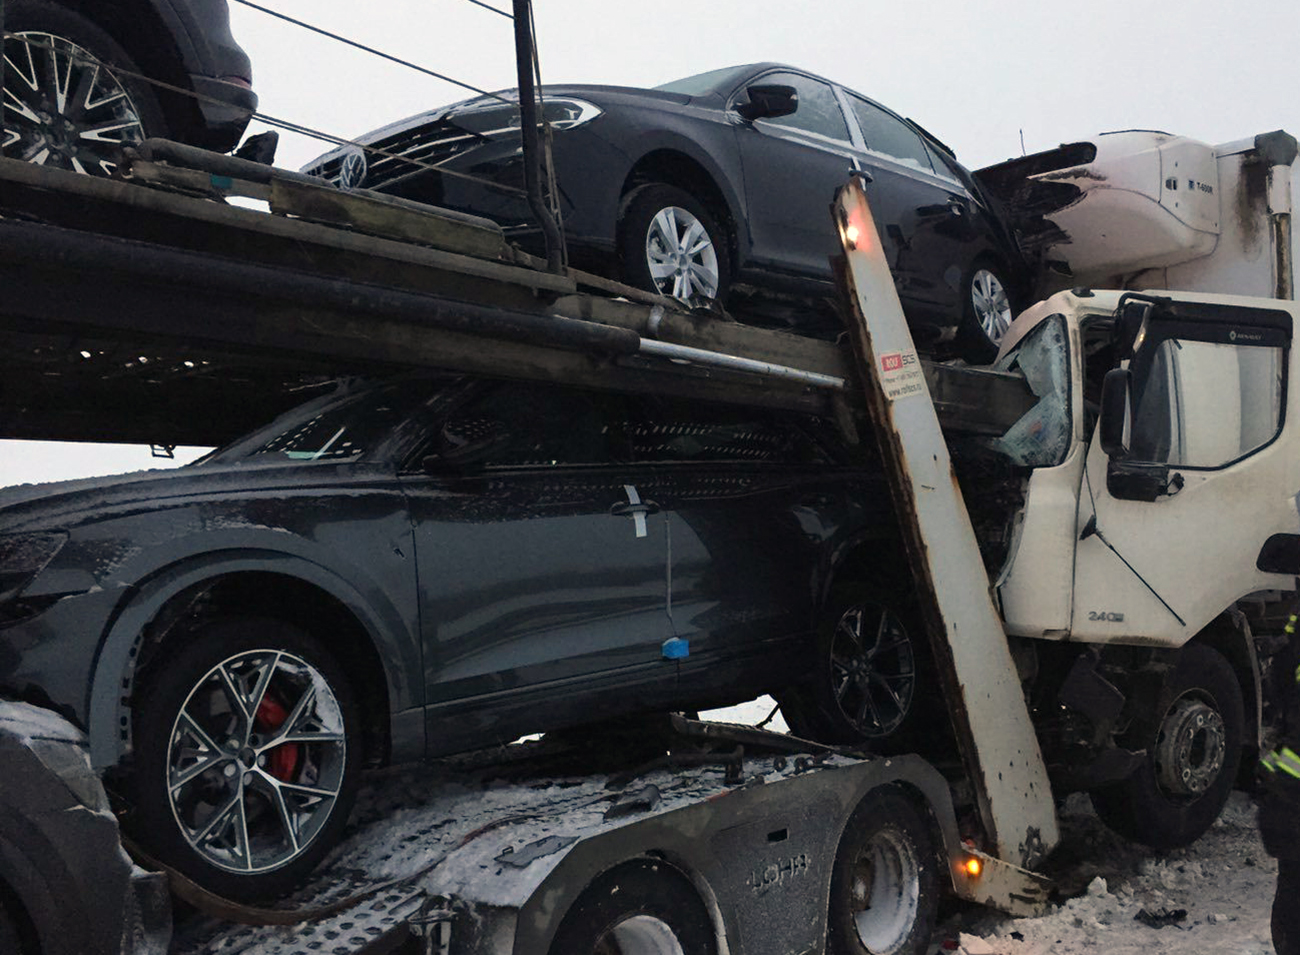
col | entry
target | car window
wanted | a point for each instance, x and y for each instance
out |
(662, 430)
(530, 426)
(888, 135)
(345, 429)
(819, 111)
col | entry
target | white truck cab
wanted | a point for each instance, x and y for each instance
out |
(1160, 470)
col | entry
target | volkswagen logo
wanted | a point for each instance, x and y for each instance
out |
(352, 172)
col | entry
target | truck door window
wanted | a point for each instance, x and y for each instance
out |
(1199, 404)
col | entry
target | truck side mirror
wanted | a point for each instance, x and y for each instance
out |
(768, 101)
(1115, 413)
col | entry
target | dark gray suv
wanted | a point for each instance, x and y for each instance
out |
(432, 565)
(72, 96)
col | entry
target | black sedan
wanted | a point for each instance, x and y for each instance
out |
(77, 78)
(432, 565)
(717, 186)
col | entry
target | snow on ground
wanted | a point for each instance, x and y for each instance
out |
(1222, 885)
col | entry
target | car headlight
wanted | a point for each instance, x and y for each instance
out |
(502, 119)
(23, 556)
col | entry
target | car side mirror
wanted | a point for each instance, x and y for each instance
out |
(1116, 414)
(768, 101)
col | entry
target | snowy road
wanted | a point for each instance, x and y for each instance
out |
(1223, 885)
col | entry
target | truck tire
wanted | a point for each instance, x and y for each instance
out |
(11, 936)
(1193, 740)
(872, 678)
(641, 907)
(248, 750)
(670, 244)
(76, 132)
(885, 885)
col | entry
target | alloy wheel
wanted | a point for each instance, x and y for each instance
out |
(991, 303)
(873, 669)
(680, 253)
(63, 107)
(256, 761)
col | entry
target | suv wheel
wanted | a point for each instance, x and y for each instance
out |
(65, 103)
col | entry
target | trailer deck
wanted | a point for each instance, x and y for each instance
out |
(150, 309)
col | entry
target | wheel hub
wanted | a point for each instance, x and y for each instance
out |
(1191, 749)
(256, 761)
(64, 107)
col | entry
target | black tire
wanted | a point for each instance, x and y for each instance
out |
(872, 683)
(987, 310)
(1193, 737)
(670, 244)
(649, 902)
(885, 885)
(199, 762)
(54, 130)
(13, 928)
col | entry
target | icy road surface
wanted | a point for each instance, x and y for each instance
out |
(1212, 898)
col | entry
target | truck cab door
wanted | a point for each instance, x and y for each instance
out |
(1191, 472)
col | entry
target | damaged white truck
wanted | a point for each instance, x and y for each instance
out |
(1089, 612)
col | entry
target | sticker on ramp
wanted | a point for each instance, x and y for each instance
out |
(900, 374)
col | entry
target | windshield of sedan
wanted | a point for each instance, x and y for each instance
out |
(710, 82)
(338, 430)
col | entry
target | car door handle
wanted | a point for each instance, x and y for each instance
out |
(956, 207)
(635, 508)
(624, 509)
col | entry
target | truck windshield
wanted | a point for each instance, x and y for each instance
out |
(1041, 438)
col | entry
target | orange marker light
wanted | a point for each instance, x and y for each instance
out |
(851, 234)
(973, 867)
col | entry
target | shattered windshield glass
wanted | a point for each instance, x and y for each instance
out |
(1041, 438)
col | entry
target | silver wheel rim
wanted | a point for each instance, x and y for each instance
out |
(873, 669)
(255, 761)
(640, 935)
(63, 107)
(683, 262)
(886, 892)
(1191, 749)
(992, 306)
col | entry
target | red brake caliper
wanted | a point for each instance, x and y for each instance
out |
(281, 762)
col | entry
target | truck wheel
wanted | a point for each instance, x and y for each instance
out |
(987, 311)
(871, 672)
(247, 757)
(11, 934)
(66, 107)
(1193, 752)
(642, 907)
(885, 884)
(671, 245)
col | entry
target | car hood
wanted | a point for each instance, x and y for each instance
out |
(63, 504)
(600, 95)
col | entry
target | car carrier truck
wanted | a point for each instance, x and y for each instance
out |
(1086, 618)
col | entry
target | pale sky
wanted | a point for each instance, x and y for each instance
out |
(976, 74)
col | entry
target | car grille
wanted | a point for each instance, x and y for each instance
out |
(430, 144)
